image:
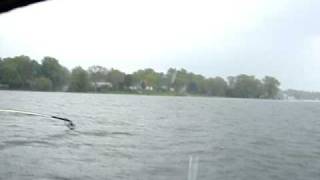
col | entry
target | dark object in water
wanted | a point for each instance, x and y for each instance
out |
(69, 123)
(7, 5)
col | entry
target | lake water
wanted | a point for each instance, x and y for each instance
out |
(150, 137)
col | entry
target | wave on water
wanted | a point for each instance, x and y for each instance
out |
(17, 143)
(101, 133)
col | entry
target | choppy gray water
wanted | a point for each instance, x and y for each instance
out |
(147, 137)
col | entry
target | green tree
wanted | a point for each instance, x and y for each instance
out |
(58, 74)
(149, 77)
(9, 74)
(116, 77)
(192, 87)
(79, 80)
(196, 83)
(270, 87)
(183, 81)
(42, 84)
(216, 87)
(180, 80)
(19, 72)
(245, 86)
(171, 76)
(164, 82)
(97, 74)
(128, 80)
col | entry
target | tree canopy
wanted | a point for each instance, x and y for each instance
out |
(79, 81)
(58, 74)
(21, 72)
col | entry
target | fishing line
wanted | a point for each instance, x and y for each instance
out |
(69, 123)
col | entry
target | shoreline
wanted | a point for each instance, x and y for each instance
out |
(151, 94)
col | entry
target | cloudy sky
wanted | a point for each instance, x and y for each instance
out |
(215, 38)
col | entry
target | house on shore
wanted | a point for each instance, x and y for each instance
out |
(102, 86)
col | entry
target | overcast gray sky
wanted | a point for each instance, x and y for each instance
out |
(215, 38)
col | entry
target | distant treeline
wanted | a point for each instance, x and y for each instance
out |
(296, 94)
(23, 73)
